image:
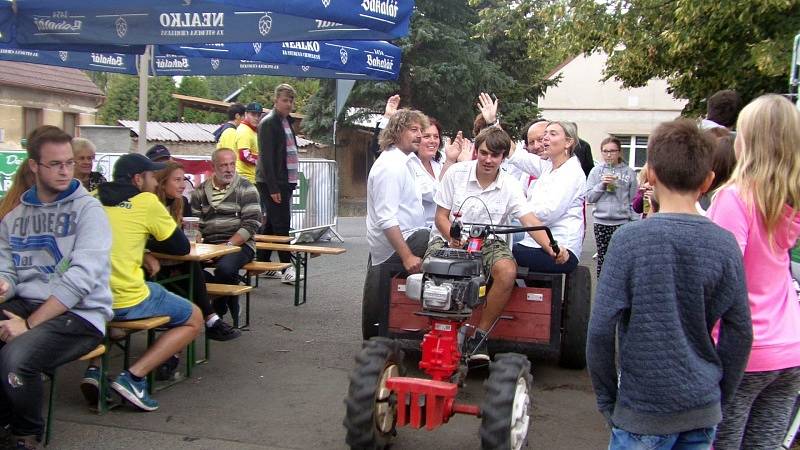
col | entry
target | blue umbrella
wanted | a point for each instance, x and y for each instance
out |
(377, 59)
(200, 21)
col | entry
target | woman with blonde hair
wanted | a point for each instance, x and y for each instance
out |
(760, 205)
(556, 199)
(23, 180)
(85, 152)
(170, 189)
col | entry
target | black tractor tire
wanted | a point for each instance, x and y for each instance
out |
(575, 319)
(497, 409)
(363, 407)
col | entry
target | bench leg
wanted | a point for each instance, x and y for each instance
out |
(300, 265)
(102, 403)
(151, 377)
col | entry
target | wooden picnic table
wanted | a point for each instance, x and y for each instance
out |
(273, 238)
(300, 256)
(197, 255)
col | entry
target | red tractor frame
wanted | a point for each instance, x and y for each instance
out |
(547, 313)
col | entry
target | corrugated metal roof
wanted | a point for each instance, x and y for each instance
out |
(186, 132)
(49, 78)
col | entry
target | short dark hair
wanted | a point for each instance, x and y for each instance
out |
(680, 155)
(234, 109)
(42, 135)
(723, 107)
(497, 141)
(723, 159)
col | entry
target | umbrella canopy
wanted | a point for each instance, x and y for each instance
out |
(200, 21)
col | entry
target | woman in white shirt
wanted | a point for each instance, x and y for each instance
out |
(429, 171)
(557, 198)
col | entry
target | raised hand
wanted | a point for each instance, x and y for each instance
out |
(391, 106)
(488, 108)
(455, 148)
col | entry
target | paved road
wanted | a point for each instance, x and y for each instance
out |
(282, 384)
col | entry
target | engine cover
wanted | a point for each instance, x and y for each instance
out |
(453, 262)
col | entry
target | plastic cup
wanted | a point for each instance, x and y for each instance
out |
(191, 228)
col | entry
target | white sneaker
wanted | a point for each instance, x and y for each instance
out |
(594, 256)
(272, 274)
(290, 276)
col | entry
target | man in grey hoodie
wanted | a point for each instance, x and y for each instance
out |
(54, 271)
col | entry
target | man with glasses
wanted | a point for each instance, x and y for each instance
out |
(54, 271)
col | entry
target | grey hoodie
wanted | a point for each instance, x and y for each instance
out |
(59, 249)
(612, 208)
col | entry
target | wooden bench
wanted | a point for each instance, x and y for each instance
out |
(273, 238)
(231, 290)
(100, 350)
(150, 324)
(252, 270)
(300, 255)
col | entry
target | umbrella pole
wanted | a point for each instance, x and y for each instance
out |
(144, 67)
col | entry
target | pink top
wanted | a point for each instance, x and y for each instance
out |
(773, 301)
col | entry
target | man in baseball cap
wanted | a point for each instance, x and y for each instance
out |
(247, 142)
(135, 214)
(158, 153)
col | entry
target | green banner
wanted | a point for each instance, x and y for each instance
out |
(9, 162)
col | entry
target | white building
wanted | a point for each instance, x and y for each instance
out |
(602, 108)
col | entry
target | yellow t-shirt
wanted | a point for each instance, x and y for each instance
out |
(132, 223)
(228, 139)
(247, 138)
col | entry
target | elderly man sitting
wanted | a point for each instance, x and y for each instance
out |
(230, 214)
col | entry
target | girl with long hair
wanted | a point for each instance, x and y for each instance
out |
(760, 205)
(23, 180)
(170, 191)
(611, 186)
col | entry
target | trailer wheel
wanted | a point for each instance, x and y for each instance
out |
(575, 319)
(505, 408)
(370, 407)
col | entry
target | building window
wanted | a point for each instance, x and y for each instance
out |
(71, 123)
(634, 149)
(32, 118)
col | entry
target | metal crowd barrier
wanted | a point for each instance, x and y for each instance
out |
(315, 204)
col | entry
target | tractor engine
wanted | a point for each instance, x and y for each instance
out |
(452, 282)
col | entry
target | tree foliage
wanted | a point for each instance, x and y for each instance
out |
(445, 67)
(198, 87)
(122, 100)
(699, 47)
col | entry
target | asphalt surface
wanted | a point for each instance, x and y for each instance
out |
(282, 384)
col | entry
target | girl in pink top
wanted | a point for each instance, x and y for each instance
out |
(759, 205)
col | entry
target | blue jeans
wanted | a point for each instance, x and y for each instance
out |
(160, 302)
(42, 349)
(698, 439)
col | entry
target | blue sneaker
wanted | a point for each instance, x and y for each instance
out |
(134, 392)
(90, 385)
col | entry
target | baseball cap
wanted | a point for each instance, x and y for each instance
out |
(254, 107)
(129, 165)
(158, 152)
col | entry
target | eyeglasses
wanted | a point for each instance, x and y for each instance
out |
(609, 151)
(58, 165)
(86, 158)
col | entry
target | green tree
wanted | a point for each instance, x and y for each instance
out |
(198, 87)
(122, 100)
(262, 88)
(699, 47)
(445, 67)
(219, 88)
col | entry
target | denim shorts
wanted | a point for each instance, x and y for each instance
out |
(160, 302)
(698, 439)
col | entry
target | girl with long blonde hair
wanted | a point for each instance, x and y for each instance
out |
(759, 205)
